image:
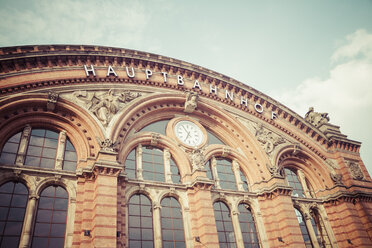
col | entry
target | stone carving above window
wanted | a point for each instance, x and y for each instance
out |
(268, 140)
(104, 104)
(316, 119)
(106, 145)
(197, 159)
(355, 170)
(191, 101)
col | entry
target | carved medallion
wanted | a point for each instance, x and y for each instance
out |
(268, 139)
(355, 170)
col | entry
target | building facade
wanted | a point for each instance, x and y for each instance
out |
(110, 147)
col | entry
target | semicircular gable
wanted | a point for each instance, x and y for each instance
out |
(82, 130)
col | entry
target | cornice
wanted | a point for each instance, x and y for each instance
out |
(20, 60)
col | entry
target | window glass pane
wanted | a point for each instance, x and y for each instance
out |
(224, 226)
(213, 139)
(294, 182)
(70, 158)
(50, 223)
(42, 148)
(157, 127)
(176, 177)
(226, 174)
(304, 231)
(248, 227)
(140, 221)
(13, 201)
(153, 164)
(10, 149)
(172, 222)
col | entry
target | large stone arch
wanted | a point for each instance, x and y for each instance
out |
(166, 106)
(313, 167)
(81, 129)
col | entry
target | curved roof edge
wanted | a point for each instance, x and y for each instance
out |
(22, 54)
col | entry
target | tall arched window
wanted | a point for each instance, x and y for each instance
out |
(172, 223)
(13, 201)
(225, 231)
(50, 223)
(248, 227)
(304, 231)
(294, 182)
(140, 222)
(44, 148)
(319, 229)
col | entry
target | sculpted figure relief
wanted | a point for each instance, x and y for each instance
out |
(268, 139)
(316, 119)
(191, 102)
(105, 105)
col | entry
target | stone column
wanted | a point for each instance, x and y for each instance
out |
(237, 229)
(28, 222)
(261, 232)
(327, 225)
(187, 225)
(236, 170)
(70, 221)
(301, 177)
(22, 149)
(215, 173)
(139, 162)
(309, 226)
(167, 170)
(60, 150)
(156, 218)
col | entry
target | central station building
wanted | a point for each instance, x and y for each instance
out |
(111, 147)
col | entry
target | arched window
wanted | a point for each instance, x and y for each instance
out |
(225, 231)
(42, 149)
(13, 202)
(304, 231)
(140, 222)
(157, 126)
(244, 180)
(130, 164)
(248, 227)
(172, 223)
(294, 182)
(176, 177)
(50, 223)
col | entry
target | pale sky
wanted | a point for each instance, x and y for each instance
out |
(301, 53)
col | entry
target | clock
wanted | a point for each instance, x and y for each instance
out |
(189, 133)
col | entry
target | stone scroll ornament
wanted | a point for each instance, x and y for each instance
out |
(104, 105)
(316, 119)
(268, 139)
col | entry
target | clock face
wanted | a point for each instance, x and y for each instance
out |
(189, 133)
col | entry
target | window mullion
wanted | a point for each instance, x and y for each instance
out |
(139, 168)
(236, 170)
(301, 178)
(60, 150)
(167, 170)
(22, 149)
(215, 173)
(310, 228)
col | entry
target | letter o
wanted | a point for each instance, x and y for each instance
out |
(258, 107)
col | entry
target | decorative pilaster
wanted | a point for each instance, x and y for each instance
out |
(139, 162)
(309, 227)
(156, 224)
(29, 221)
(167, 170)
(237, 229)
(22, 149)
(301, 177)
(236, 170)
(215, 173)
(60, 150)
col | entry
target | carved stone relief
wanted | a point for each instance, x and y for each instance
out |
(197, 159)
(103, 104)
(316, 119)
(52, 100)
(268, 139)
(274, 170)
(355, 170)
(191, 102)
(106, 145)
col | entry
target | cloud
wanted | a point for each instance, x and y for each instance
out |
(113, 23)
(346, 94)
